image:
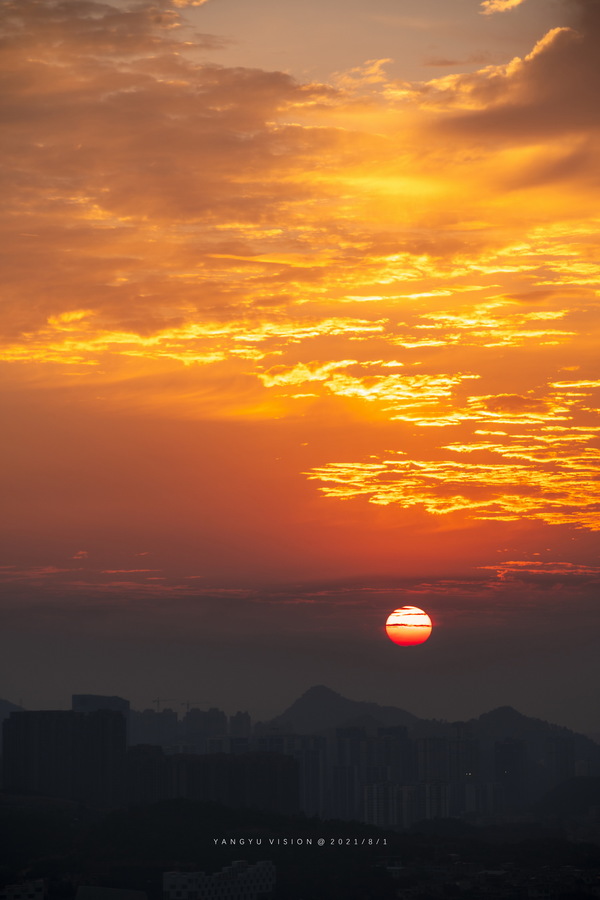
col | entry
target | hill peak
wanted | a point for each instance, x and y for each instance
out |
(318, 691)
(320, 708)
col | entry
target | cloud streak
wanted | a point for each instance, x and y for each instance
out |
(489, 7)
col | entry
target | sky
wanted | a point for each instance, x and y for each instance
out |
(299, 326)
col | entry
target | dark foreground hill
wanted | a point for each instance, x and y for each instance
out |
(344, 860)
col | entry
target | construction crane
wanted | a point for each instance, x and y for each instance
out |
(160, 700)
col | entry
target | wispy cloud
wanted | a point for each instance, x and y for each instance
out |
(488, 7)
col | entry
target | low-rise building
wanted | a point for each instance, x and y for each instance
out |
(239, 881)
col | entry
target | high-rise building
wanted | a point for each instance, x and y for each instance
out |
(464, 760)
(433, 759)
(346, 773)
(199, 725)
(267, 781)
(240, 725)
(559, 759)
(309, 751)
(382, 804)
(510, 771)
(146, 775)
(270, 782)
(432, 800)
(62, 753)
(87, 703)
(150, 726)
(395, 751)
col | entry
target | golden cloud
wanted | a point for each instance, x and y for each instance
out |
(164, 214)
(488, 7)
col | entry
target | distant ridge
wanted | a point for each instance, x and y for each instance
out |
(321, 708)
(506, 722)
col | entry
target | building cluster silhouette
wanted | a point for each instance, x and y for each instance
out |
(24, 890)
(238, 881)
(105, 755)
(241, 880)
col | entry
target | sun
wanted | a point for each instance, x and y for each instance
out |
(408, 625)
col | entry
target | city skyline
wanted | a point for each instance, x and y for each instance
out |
(327, 756)
(301, 327)
(177, 709)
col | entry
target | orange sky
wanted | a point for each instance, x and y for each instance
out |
(297, 343)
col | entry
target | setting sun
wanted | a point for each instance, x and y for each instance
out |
(408, 626)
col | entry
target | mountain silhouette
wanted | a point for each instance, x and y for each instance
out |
(321, 708)
(542, 738)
